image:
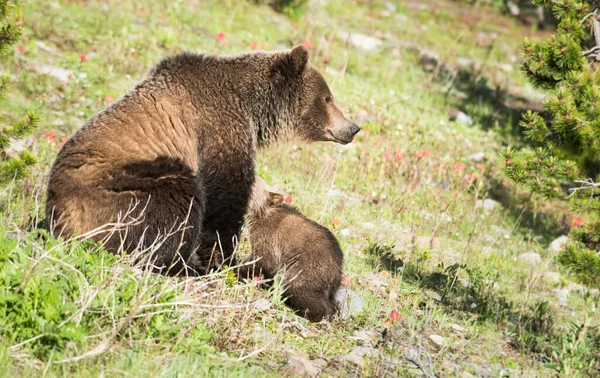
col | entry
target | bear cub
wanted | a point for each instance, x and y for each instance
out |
(305, 254)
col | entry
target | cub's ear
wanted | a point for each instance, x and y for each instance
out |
(291, 63)
(275, 199)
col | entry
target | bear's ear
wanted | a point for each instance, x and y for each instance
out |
(291, 63)
(275, 199)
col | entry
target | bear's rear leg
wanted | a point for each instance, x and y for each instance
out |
(169, 205)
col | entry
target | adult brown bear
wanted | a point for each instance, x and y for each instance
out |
(167, 169)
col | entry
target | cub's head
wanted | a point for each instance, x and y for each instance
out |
(318, 117)
(263, 198)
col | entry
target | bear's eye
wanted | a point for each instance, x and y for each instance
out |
(328, 100)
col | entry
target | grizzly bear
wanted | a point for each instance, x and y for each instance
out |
(305, 254)
(167, 169)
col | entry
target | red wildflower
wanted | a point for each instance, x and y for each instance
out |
(255, 279)
(577, 222)
(472, 177)
(456, 194)
(295, 25)
(64, 139)
(326, 59)
(82, 58)
(70, 75)
(394, 315)
(458, 167)
(377, 143)
(50, 136)
(288, 199)
(387, 155)
(366, 133)
(254, 45)
(108, 98)
(424, 152)
(308, 44)
(346, 281)
(335, 222)
(21, 48)
(399, 156)
(481, 168)
(220, 37)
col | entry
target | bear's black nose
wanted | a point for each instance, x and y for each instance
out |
(354, 129)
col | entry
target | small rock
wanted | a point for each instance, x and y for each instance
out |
(530, 258)
(332, 71)
(433, 295)
(354, 359)
(501, 231)
(345, 232)
(437, 340)
(319, 363)
(557, 245)
(368, 338)
(379, 279)
(459, 116)
(358, 354)
(361, 41)
(350, 303)
(464, 62)
(576, 287)
(479, 156)
(457, 328)
(261, 305)
(551, 277)
(488, 204)
(55, 72)
(594, 293)
(365, 351)
(302, 366)
(389, 6)
(562, 295)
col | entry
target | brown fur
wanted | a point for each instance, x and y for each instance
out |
(182, 146)
(304, 253)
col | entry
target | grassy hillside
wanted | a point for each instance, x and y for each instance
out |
(452, 264)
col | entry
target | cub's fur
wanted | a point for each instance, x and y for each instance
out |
(167, 169)
(304, 253)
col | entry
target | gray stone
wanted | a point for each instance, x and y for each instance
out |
(476, 156)
(368, 338)
(358, 354)
(433, 295)
(261, 305)
(502, 231)
(350, 303)
(557, 245)
(463, 118)
(530, 258)
(302, 366)
(389, 6)
(354, 359)
(562, 295)
(488, 204)
(56, 72)
(464, 62)
(457, 328)
(319, 363)
(576, 287)
(551, 277)
(359, 40)
(438, 341)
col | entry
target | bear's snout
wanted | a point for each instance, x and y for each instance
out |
(345, 132)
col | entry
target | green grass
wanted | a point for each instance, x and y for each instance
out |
(413, 217)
